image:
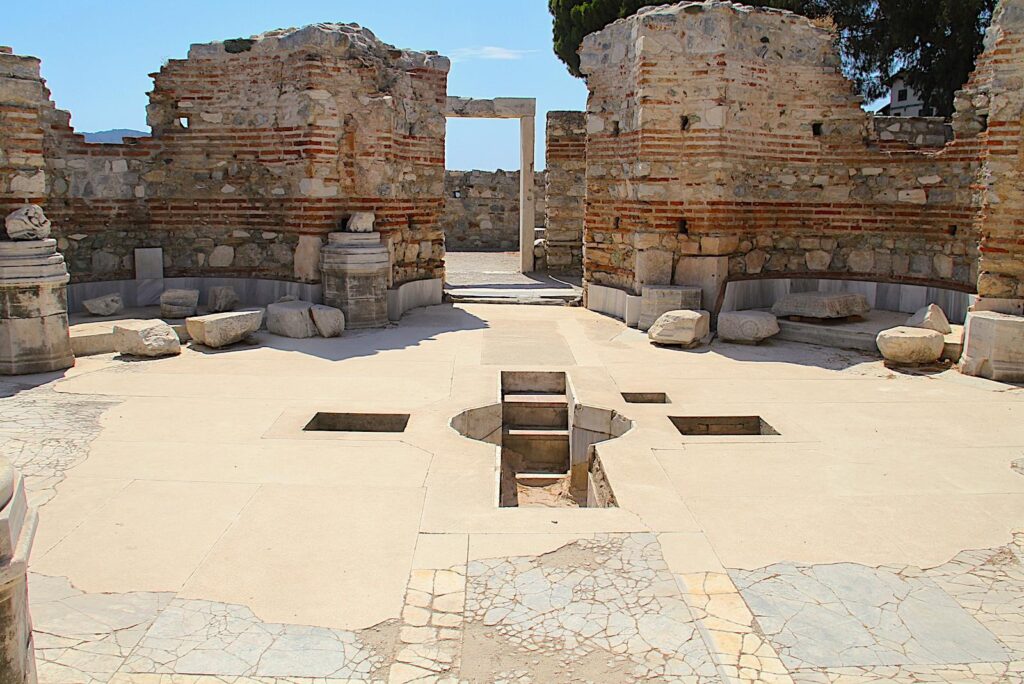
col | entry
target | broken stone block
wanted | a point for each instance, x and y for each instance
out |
(822, 305)
(748, 327)
(685, 328)
(221, 299)
(994, 346)
(221, 329)
(107, 305)
(146, 338)
(179, 303)
(27, 223)
(291, 319)
(329, 322)
(361, 222)
(659, 299)
(930, 317)
(906, 345)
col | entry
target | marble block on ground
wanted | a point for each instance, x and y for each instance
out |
(660, 299)
(179, 303)
(291, 319)
(221, 298)
(822, 305)
(329, 322)
(685, 328)
(931, 317)
(908, 345)
(146, 338)
(994, 346)
(221, 329)
(748, 327)
(104, 306)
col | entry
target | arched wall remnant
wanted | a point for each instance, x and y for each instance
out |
(260, 147)
(725, 144)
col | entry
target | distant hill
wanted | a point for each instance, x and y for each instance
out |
(115, 135)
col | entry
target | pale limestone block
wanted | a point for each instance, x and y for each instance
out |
(179, 303)
(222, 256)
(27, 223)
(930, 317)
(907, 345)
(107, 305)
(817, 260)
(861, 260)
(748, 327)
(654, 267)
(994, 346)
(659, 299)
(329, 321)
(146, 338)
(291, 319)
(685, 328)
(361, 222)
(221, 329)
(222, 298)
(821, 305)
(307, 258)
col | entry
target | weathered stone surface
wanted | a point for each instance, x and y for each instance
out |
(221, 329)
(179, 303)
(27, 223)
(481, 210)
(361, 222)
(354, 267)
(17, 528)
(291, 319)
(146, 338)
(221, 298)
(908, 345)
(330, 322)
(930, 317)
(686, 328)
(994, 346)
(659, 299)
(747, 326)
(821, 305)
(107, 305)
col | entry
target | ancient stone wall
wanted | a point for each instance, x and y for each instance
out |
(481, 210)
(989, 111)
(725, 144)
(566, 145)
(260, 147)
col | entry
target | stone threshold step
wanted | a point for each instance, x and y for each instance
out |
(536, 432)
(553, 399)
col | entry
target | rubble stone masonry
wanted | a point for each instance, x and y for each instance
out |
(481, 210)
(724, 142)
(260, 147)
(566, 147)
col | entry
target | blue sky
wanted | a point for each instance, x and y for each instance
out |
(97, 55)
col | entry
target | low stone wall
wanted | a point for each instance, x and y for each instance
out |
(922, 132)
(481, 210)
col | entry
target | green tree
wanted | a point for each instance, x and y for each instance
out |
(933, 42)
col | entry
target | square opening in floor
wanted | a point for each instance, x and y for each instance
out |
(645, 397)
(722, 425)
(357, 422)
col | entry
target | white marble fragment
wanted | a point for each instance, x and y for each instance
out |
(221, 329)
(146, 338)
(910, 345)
(686, 328)
(747, 326)
(27, 223)
(291, 319)
(329, 321)
(930, 317)
(108, 305)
